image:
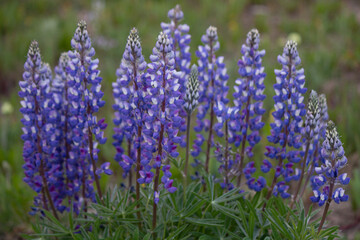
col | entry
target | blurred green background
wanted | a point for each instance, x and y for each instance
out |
(328, 32)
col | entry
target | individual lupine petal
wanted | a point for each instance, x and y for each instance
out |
(256, 185)
(145, 177)
(249, 169)
(316, 196)
(105, 168)
(344, 179)
(281, 189)
(169, 186)
(266, 166)
(340, 196)
(322, 199)
(156, 197)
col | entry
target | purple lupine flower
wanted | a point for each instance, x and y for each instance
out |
(180, 41)
(213, 79)
(289, 110)
(85, 99)
(334, 160)
(315, 159)
(311, 130)
(38, 120)
(163, 120)
(310, 134)
(65, 122)
(129, 92)
(248, 99)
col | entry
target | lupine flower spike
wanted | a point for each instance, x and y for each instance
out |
(310, 135)
(212, 78)
(163, 119)
(328, 173)
(129, 92)
(315, 157)
(35, 107)
(66, 121)
(191, 102)
(287, 126)
(249, 102)
(86, 99)
(180, 40)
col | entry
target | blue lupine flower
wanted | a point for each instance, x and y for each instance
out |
(289, 110)
(312, 126)
(163, 120)
(248, 99)
(180, 41)
(333, 161)
(85, 99)
(129, 92)
(315, 156)
(213, 87)
(42, 169)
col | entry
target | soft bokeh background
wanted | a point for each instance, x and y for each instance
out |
(328, 32)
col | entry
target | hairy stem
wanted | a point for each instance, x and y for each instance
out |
(211, 112)
(226, 154)
(187, 151)
(309, 174)
(130, 171)
(161, 136)
(302, 174)
(326, 207)
(138, 174)
(242, 155)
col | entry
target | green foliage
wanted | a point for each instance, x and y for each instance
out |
(195, 214)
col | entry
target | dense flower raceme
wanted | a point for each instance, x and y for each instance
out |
(213, 89)
(180, 40)
(85, 99)
(328, 172)
(288, 121)
(129, 92)
(163, 120)
(42, 168)
(249, 103)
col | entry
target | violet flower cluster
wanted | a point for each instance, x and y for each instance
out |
(39, 120)
(248, 100)
(85, 99)
(61, 132)
(180, 41)
(213, 90)
(130, 107)
(163, 120)
(287, 126)
(328, 178)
